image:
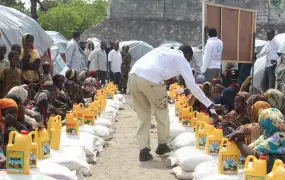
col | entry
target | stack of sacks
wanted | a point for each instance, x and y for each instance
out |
(209, 171)
(120, 97)
(73, 158)
(186, 159)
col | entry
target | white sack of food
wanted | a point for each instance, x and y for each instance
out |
(74, 158)
(184, 139)
(120, 97)
(177, 129)
(173, 120)
(112, 103)
(112, 119)
(5, 176)
(181, 174)
(103, 122)
(54, 170)
(188, 158)
(103, 132)
(85, 140)
(209, 171)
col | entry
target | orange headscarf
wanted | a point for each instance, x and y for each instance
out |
(257, 108)
(4, 104)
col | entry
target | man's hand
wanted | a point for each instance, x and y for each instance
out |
(219, 107)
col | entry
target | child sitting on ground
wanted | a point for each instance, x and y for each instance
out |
(46, 76)
(12, 76)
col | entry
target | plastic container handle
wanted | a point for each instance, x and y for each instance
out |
(81, 105)
(250, 157)
(224, 140)
(190, 109)
(277, 162)
(35, 139)
(11, 135)
(59, 117)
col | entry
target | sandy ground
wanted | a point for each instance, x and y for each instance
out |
(119, 161)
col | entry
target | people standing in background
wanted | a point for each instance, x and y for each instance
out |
(89, 48)
(212, 56)
(126, 66)
(4, 63)
(115, 63)
(30, 59)
(73, 55)
(108, 50)
(271, 59)
(99, 60)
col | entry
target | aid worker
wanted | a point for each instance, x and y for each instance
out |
(149, 93)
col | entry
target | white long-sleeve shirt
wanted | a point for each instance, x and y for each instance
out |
(99, 59)
(162, 64)
(273, 47)
(212, 54)
(73, 56)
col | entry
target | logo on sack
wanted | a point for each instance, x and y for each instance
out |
(276, 3)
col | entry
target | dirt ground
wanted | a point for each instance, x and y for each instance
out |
(119, 161)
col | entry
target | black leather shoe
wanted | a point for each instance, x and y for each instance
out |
(145, 155)
(162, 149)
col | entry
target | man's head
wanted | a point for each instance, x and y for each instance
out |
(116, 45)
(14, 58)
(212, 32)
(126, 49)
(76, 36)
(46, 67)
(187, 51)
(270, 34)
(103, 45)
(16, 47)
(111, 44)
(3, 50)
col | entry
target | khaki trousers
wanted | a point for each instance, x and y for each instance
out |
(149, 96)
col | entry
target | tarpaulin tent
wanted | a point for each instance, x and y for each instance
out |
(137, 49)
(13, 24)
(58, 50)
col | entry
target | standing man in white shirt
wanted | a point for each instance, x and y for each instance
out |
(271, 59)
(149, 93)
(212, 56)
(115, 63)
(73, 55)
(98, 62)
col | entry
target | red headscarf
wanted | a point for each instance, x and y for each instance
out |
(92, 74)
(4, 104)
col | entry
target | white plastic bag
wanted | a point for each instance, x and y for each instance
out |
(54, 170)
(181, 174)
(85, 140)
(177, 129)
(188, 158)
(103, 132)
(209, 171)
(103, 122)
(5, 176)
(120, 97)
(184, 139)
(73, 158)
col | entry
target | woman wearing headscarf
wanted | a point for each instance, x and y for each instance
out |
(252, 131)
(91, 84)
(9, 119)
(30, 59)
(236, 118)
(62, 96)
(196, 104)
(280, 74)
(73, 87)
(228, 98)
(271, 143)
(42, 100)
(276, 99)
(253, 99)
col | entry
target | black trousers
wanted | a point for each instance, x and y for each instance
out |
(117, 78)
(102, 76)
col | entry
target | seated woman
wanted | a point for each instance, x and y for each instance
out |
(30, 59)
(90, 85)
(197, 106)
(73, 87)
(42, 100)
(271, 143)
(9, 119)
(233, 120)
(276, 99)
